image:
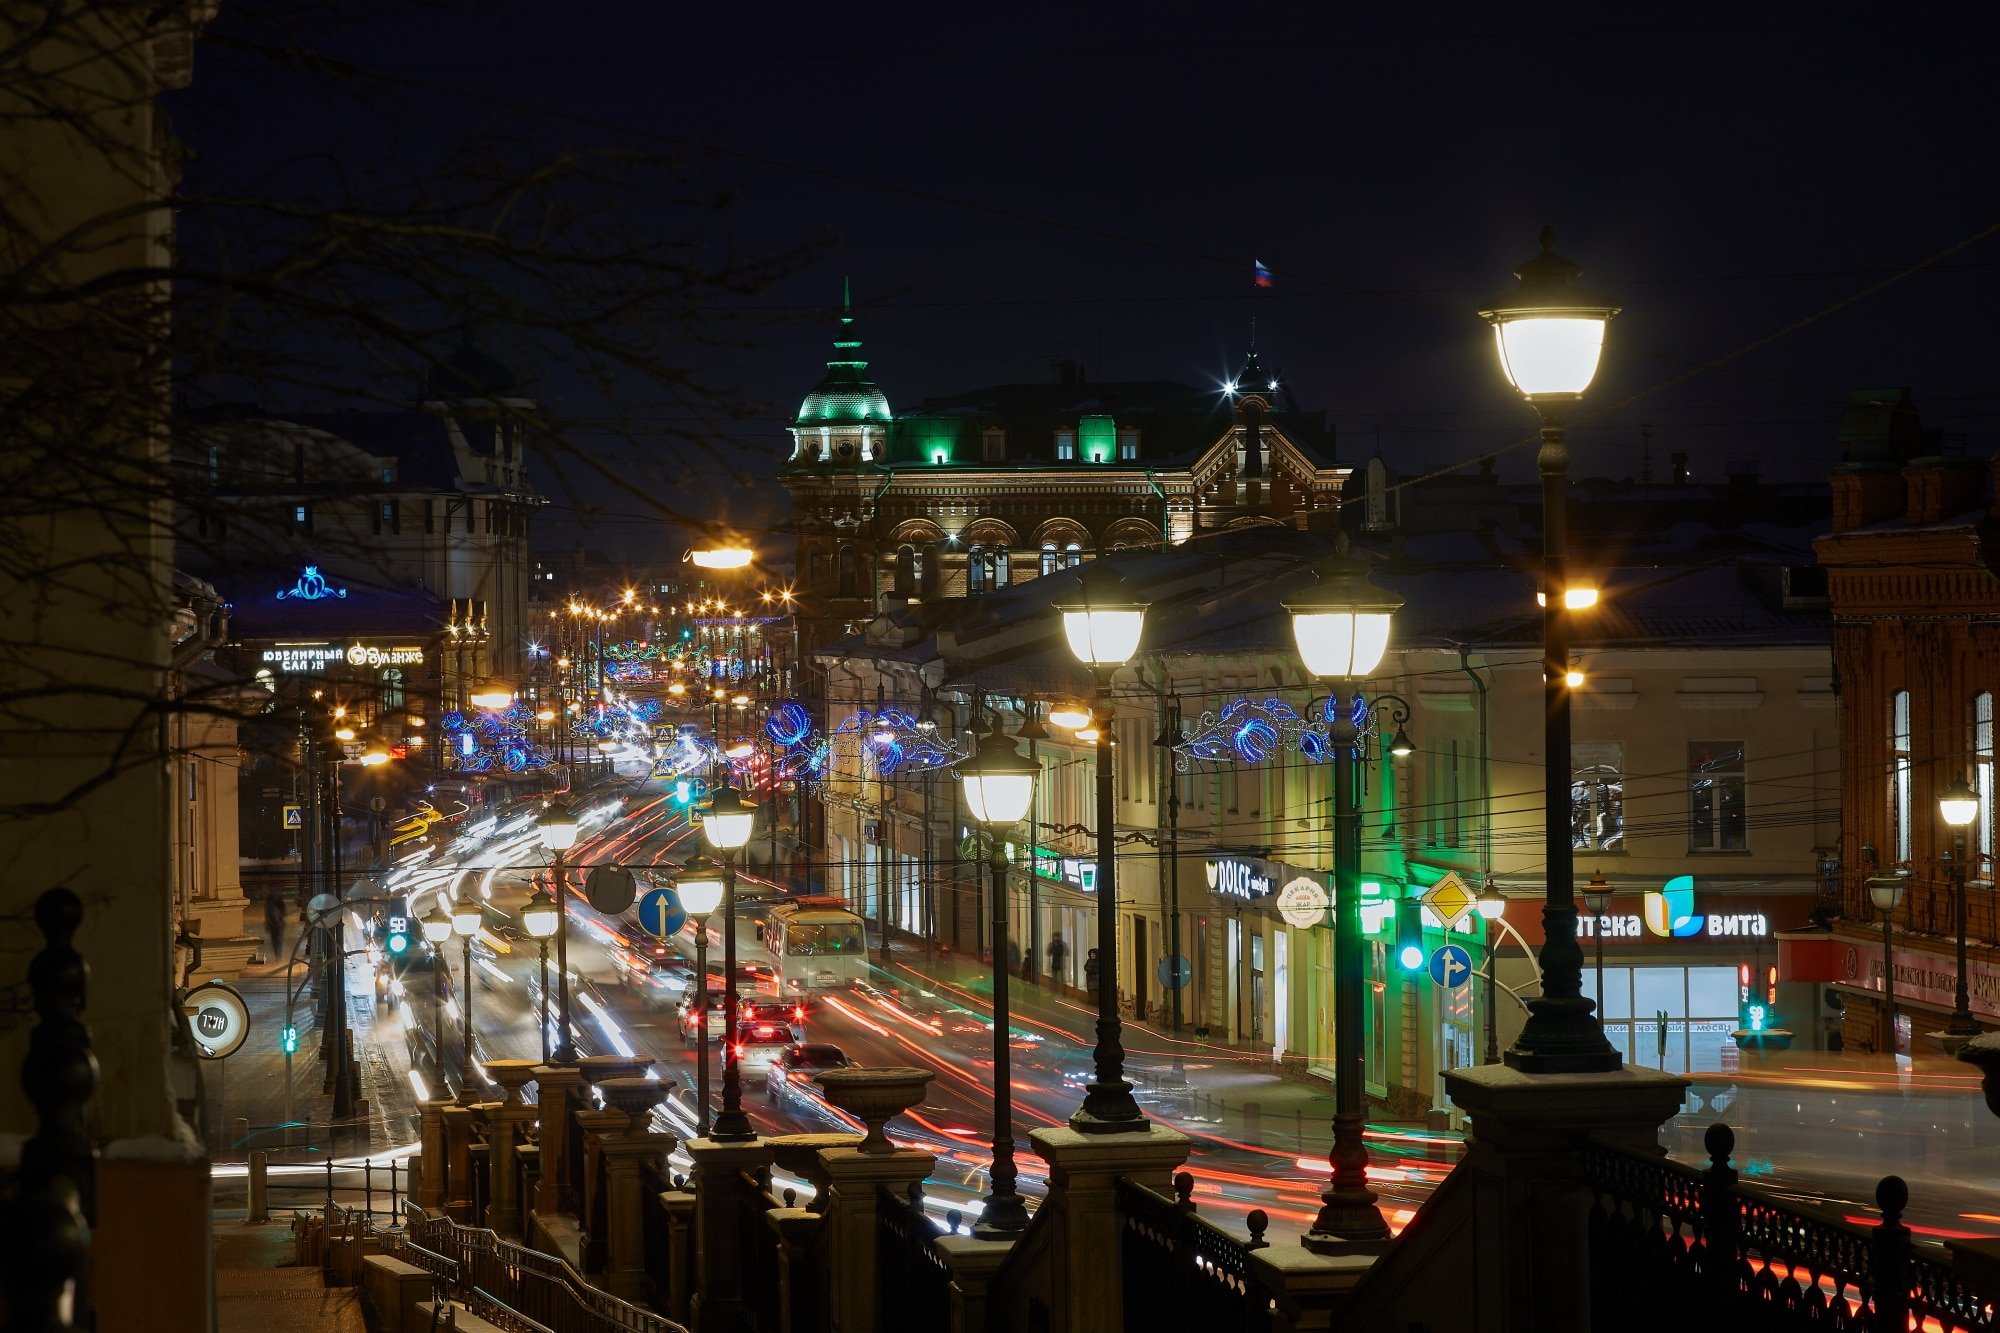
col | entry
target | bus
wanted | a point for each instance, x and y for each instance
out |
(816, 943)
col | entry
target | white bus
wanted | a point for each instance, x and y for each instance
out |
(816, 943)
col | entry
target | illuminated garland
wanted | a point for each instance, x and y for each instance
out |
(1251, 731)
(891, 741)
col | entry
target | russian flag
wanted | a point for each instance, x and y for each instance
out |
(1259, 274)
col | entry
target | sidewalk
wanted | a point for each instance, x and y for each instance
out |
(258, 1290)
(1229, 1093)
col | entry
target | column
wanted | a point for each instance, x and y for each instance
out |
(505, 1121)
(557, 1083)
(598, 1128)
(720, 1195)
(458, 1155)
(854, 1176)
(430, 1151)
(1085, 1241)
(624, 1207)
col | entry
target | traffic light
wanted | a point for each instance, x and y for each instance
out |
(398, 938)
(288, 1039)
(1757, 1007)
(1409, 934)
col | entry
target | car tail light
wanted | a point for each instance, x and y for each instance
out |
(798, 1011)
(739, 1050)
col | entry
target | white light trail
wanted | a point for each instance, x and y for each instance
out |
(417, 1082)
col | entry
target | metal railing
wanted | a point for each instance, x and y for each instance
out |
(381, 1184)
(758, 1253)
(912, 1276)
(541, 1287)
(1183, 1271)
(1673, 1247)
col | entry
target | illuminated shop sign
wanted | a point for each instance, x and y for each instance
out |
(296, 657)
(1668, 914)
(1235, 877)
(311, 587)
(1078, 874)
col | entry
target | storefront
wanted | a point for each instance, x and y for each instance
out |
(1684, 966)
(1264, 949)
(1926, 985)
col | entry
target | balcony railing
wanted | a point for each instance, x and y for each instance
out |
(1182, 1271)
(1674, 1248)
(541, 1287)
(912, 1276)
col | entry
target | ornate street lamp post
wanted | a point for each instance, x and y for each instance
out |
(1341, 625)
(465, 921)
(1550, 335)
(542, 917)
(999, 787)
(701, 886)
(1958, 804)
(437, 929)
(1597, 897)
(727, 821)
(1103, 625)
(558, 831)
(1886, 893)
(1492, 906)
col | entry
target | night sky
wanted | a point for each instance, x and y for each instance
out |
(1011, 185)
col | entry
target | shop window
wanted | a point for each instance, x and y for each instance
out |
(1597, 796)
(1717, 814)
(1982, 782)
(1899, 775)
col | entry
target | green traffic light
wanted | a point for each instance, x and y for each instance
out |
(288, 1040)
(398, 943)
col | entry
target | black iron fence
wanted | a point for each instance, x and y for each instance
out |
(1673, 1247)
(912, 1277)
(1183, 1271)
(758, 1254)
(541, 1287)
(374, 1186)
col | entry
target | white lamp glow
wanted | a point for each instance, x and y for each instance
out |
(491, 694)
(727, 819)
(1550, 334)
(540, 915)
(466, 917)
(557, 829)
(999, 780)
(700, 887)
(1103, 624)
(1070, 716)
(1341, 624)
(437, 926)
(1958, 803)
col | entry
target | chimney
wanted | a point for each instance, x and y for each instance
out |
(1937, 488)
(1862, 496)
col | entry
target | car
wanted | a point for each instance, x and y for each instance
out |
(692, 1009)
(761, 1042)
(792, 1071)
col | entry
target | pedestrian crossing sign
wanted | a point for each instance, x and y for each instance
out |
(292, 817)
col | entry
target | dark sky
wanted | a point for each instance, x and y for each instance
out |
(1010, 184)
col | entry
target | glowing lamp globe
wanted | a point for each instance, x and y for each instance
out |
(1597, 894)
(437, 926)
(1070, 716)
(1492, 906)
(720, 557)
(1341, 623)
(491, 694)
(999, 780)
(1102, 622)
(1958, 803)
(539, 915)
(700, 886)
(558, 829)
(726, 819)
(374, 758)
(1550, 333)
(1885, 892)
(466, 918)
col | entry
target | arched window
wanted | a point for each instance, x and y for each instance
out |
(906, 571)
(1899, 776)
(848, 572)
(1048, 557)
(1072, 555)
(393, 693)
(986, 569)
(927, 570)
(975, 570)
(1982, 782)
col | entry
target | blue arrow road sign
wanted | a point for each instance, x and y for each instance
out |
(1174, 971)
(660, 911)
(1451, 966)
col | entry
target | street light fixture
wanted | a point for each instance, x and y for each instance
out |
(1958, 804)
(701, 886)
(491, 694)
(1103, 624)
(1886, 893)
(541, 918)
(1492, 906)
(1341, 624)
(999, 783)
(558, 829)
(1597, 898)
(1070, 717)
(1550, 335)
(726, 822)
(437, 929)
(465, 922)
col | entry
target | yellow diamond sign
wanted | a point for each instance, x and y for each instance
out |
(1449, 898)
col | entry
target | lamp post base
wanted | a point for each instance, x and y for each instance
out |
(1951, 1040)
(1108, 1108)
(1003, 1215)
(1563, 1036)
(732, 1126)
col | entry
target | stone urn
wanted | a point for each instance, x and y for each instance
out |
(512, 1075)
(873, 1095)
(635, 1098)
(598, 1068)
(1984, 1052)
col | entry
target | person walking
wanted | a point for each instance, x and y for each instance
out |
(1058, 951)
(1090, 972)
(274, 923)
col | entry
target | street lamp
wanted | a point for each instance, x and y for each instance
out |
(1102, 625)
(1341, 625)
(1597, 897)
(1550, 336)
(542, 918)
(491, 694)
(1886, 893)
(1959, 806)
(999, 785)
(437, 929)
(465, 922)
(700, 886)
(558, 830)
(1492, 907)
(726, 821)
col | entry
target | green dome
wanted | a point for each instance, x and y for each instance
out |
(846, 395)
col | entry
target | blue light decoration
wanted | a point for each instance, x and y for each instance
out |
(482, 741)
(1254, 731)
(905, 745)
(801, 749)
(311, 587)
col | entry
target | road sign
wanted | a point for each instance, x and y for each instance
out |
(1449, 898)
(1303, 902)
(293, 817)
(1174, 971)
(660, 911)
(1451, 966)
(663, 768)
(217, 1018)
(610, 889)
(663, 731)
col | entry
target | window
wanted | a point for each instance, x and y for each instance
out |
(1072, 555)
(1049, 564)
(1128, 446)
(1716, 805)
(388, 475)
(393, 689)
(389, 516)
(848, 574)
(975, 569)
(1066, 446)
(906, 571)
(1982, 782)
(986, 568)
(302, 514)
(993, 445)
(1899, 775)
(1597, 796)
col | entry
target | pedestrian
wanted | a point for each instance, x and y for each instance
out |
(1057, 952)
(1013, 955)
(274, 923)
(1090, 969)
